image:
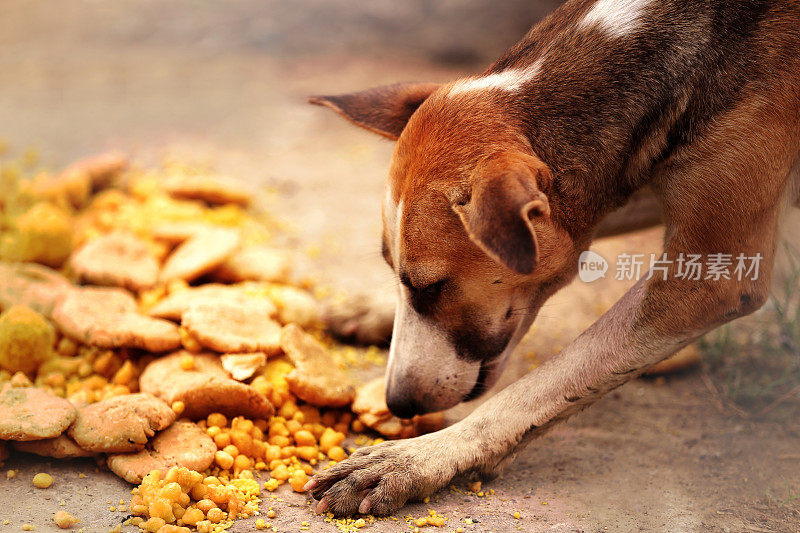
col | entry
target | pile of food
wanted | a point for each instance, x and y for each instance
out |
(149, 321)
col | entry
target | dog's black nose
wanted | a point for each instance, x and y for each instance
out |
(402, 406)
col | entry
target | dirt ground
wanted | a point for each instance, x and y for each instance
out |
(225, 82)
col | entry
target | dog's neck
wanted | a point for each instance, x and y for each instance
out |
(604, 102)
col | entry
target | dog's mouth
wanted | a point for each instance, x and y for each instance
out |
(480, 384)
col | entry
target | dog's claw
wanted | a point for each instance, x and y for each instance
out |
(322, 506)
(381, 479)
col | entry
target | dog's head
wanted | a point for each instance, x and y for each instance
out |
(469, 232)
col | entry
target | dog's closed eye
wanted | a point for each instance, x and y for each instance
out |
(423, 297)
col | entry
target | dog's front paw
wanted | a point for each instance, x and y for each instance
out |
(380, 479)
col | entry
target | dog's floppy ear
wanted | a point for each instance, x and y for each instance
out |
(382, 110)
(498, 210)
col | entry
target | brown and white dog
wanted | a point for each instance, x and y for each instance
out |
(499, 181)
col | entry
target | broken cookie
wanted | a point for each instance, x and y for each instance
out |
(203, 386)
(370, 406)
(99, 168)
(61, 447)
(118, 259)
(120, 424)
(200, 253)
(242, 366)
(316, 378)
(228, 328)
(183, 444)
(256, 263)
(27, 413)
(211, 189)
(294, 305)
(31, 285)
(109, 318)
(173, 306)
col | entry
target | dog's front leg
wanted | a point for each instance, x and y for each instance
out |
(654, 319)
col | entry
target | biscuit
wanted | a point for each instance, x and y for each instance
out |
(182, 444)
(200, 253)
(316, 379)
(205, 389)
(109, 318)
(31, 285)
(177, 232)
(120, 424)
(117, 259)
(370, 406)
(210, 189)
(242, 366)
(173, 306)
(61, 447)
(256, 263)
(228, 328)
(99, 168)
(27, 413)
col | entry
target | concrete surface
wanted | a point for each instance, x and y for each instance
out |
(226, 82)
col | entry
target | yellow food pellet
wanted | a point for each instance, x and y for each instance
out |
(329, 439)
(64, 520)
(421, 522)
(304, 438)
(192, 516)
(178, 407)
(298, 480)
(242, 462)
(27, 527)
(517, 515)
(271, 513)
(187, 362)
(11, 474)
(161, 509)
(337, 453)
(223, 459)
(216, 419)
(281, 472)
(42, 480)
(153, 524)
(436, 521)
(205, 505)
(359, 523)
(216, 515)
(260, 524)
(171, 491)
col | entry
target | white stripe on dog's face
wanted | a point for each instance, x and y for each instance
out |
(616, 17)
(424, 370)
(508, 80)
(392, 215)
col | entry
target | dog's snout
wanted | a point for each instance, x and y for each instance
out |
(401, 404)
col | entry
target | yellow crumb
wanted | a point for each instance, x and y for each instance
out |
(42, 480)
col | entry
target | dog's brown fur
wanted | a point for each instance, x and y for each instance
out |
(499, 182)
